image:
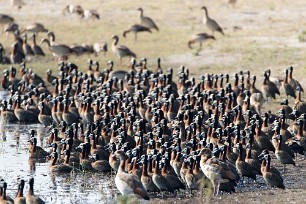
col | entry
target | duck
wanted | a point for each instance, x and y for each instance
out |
(3, 59)
(6, 113)
(288, 89)
(200, 38)
(264, 163)
(43, 118)
(121, 50)
(36, 152)
(146, 21)
(20, 199)
(211, 23)
(17, 55)
(159, 180)
(299, 105)
(243, 167)
(270, 178)
(60, 168)
(31, 197)
(27, 49)
(136, 28)
(24, 115)
(11, 28)
(146, 179)
(282, 155)
(293, 82)
(126, 183)
(99, 164)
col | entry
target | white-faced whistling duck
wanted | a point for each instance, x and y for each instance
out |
(282, 155)
(299, 105)
(211, 23)
(27, 50)
(36, 152)
(293, 82)
(289, 91)
(99, 164)
(159, 180)
(43, 118)
(271, 179)
(60, 168)
(146, 179)
(244, 168)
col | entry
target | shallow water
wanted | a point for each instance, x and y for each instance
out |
(77, 187)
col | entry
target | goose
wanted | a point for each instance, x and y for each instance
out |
(35, 28)
(146, 21)
(212, 169)
(200, 38)
(127, 183)
(60, 50)
(72, 9)
(100, 47)
(36, 48)
(89, 14)
(11, 28)
(211, 23)
(136, 28)
(31, 197)
(17, 3)
(82, 49)
(232, 3)
(6, 19)
(121, 50)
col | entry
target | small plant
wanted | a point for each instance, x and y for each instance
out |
(302, 36)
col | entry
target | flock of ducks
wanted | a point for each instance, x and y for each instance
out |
(158, 135)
